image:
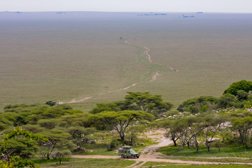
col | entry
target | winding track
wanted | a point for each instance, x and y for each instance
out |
(153, 78)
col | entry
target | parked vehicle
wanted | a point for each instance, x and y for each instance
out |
(127, 152)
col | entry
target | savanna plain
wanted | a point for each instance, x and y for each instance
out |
(78, 55)
(79, 59)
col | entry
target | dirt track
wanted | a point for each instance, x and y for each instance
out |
(154, 77)
(150, 154)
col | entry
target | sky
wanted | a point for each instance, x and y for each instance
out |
(219, 6)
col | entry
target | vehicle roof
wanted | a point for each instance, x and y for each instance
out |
(126, 147)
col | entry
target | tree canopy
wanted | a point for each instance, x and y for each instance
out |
(241, 85)
(201, 104)
(119, 121)
(153, 104)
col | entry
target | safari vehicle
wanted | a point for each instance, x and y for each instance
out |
(127, 152)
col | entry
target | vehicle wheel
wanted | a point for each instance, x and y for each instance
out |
(137, 156)
(122, 156)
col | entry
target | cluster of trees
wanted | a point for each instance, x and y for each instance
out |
(238, 95)
(61, 125)
(67, 129)
(211, 128)
(8, 159)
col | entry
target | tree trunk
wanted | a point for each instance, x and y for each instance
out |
(174, 141)
(122, 137)
(188, 144)
(196, 144)
(48, 156)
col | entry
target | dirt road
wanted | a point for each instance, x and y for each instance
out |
(150, 159)
(149, 154)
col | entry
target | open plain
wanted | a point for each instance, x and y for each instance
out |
(86, 58)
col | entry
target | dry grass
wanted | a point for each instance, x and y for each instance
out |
(72, 59)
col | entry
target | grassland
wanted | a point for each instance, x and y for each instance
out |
(166, 165)
(72, 58)
(108, 163)
(88, 163)
(228, 151)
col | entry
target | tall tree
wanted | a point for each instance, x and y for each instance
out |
(80, 135)
(212, 124)
(12, 158)
(56, 138)
(120, 120)
(175, 128)
(242, 122)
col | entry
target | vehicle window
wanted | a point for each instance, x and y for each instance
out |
(128, 151)
(132, 151)
(125, 151)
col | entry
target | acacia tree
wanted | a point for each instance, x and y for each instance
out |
(175, 128)
(57, 140)
(242, 122)
(194, 128)
(80, 135)
(120, 120)
(114, 106)
(15, 160)
(133, 131)
(153, 104)
(212, 124)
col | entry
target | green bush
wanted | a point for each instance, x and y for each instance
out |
(113, 145)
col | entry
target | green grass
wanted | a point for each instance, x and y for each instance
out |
(229, 151)
(113, 163)
(206, 159)
(170, 165)
(101, 148)
(98, 149)
(139, 163)
(87, 163)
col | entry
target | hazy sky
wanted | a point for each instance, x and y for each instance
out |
(236, 6)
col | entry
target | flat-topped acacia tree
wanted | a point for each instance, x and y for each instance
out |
(142, 101)
(145, 101)
(119, 120)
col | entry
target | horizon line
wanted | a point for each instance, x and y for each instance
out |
(124, 12)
